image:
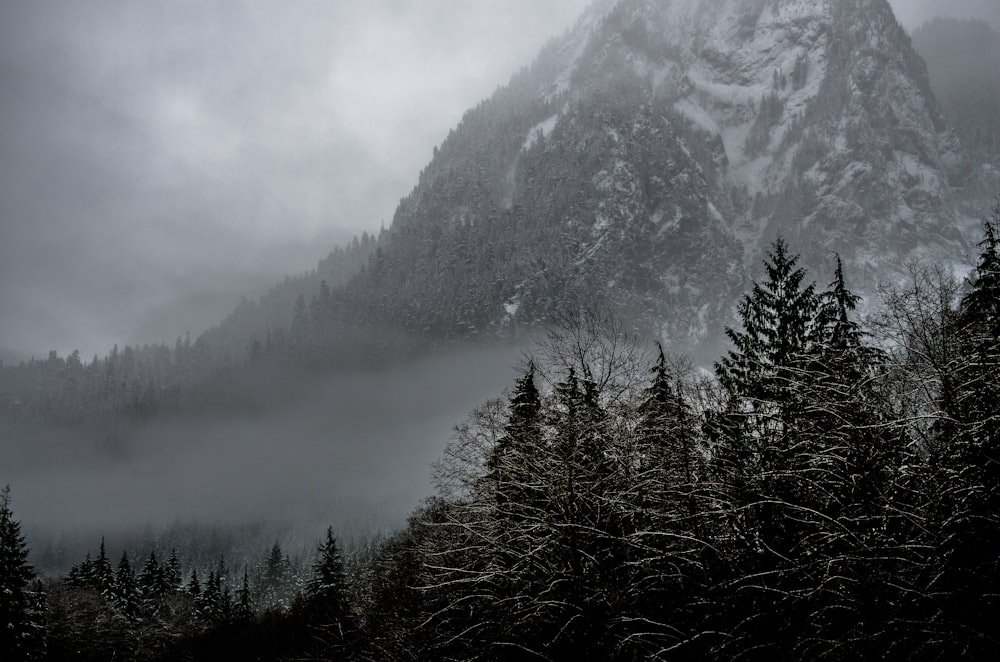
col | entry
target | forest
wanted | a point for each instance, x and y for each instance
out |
(830, 491)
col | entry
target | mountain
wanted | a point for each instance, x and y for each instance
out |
(647, 156)
(644, 163)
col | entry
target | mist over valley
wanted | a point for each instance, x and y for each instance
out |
(681, 342)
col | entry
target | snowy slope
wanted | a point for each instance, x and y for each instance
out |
(650, 155)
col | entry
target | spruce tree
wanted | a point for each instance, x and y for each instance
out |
(667, 453)
(510, 463)
(243, 612)
(152, 584)
(18, 639)
(103, 573)
(276, 579)
(762, 485)
(778, 319)
(209, 601)
(81, 575)
(761, 376)
(966, 486)
(663, 573)
(193, 587)
(125, 594)
(848, 465)
(326, 602)
(327, 589)
(172, 572)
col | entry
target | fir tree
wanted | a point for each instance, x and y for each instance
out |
(762, 380)
(510, 461)
(667, 443)
(18, 638)
(326, 600)
(125, 594)
(152, 584)
(193, 587)
(276, 577)
(966, 485)
(243, 612)
(172, 572)
(103, 575)
(778, 319)
(759, 460)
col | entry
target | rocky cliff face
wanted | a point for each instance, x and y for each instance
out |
(648, 157)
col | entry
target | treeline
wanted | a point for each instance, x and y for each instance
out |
(831, 492)
(275, 608)
(152, 609)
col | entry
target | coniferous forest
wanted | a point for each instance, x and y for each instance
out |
(830, 490)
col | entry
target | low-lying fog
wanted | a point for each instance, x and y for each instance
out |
(358, 446)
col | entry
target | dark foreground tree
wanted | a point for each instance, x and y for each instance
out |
(962, 489)
(21, 625)
(326, 609)
(804, 463)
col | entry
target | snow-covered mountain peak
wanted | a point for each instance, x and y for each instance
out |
(650, 155)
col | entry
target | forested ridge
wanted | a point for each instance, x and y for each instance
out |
(133, 384)
(830, 492)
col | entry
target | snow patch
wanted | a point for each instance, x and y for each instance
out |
(698, 115)
(511, 306)
(539, 131)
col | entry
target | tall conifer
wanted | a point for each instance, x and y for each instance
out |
(17, 640)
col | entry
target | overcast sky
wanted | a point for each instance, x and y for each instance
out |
(159, 159)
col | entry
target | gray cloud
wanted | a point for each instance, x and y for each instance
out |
(158, 160)
(912, 13)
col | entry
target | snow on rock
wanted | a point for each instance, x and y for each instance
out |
(540, 131)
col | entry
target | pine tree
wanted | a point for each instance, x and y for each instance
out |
(509, 463)
(152, 584)
(125, 592)
(18, 639)
(761, 463)
(276, 578)
(172, 572)
(966, 485)
(209, 600)
(778, 319)
(244, 611)
(326, 600)
(103, 573)
(667, 453)
(762, 379)
(193, 587)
